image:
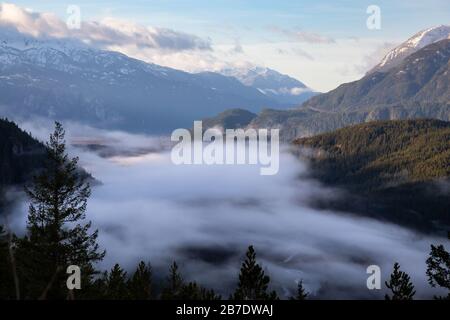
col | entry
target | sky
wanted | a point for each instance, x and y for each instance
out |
(321, 43)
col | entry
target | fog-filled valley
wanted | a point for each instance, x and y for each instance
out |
(203, 152)
(205, 216)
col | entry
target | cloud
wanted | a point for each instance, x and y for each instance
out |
(371, 60)
(296, 51)
(206, 216)
(108, 32)
(302, 36)
(237, 47)
(161, 46)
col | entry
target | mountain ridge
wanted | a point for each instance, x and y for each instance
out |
(111, 90)
(394, 170)
(272, 83)
(413, 44)
(417, 88)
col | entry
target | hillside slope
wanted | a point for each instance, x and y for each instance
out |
(20, 154)
(397, 170)
(413, 44)
(416, 88)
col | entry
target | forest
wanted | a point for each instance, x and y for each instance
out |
(59, 235)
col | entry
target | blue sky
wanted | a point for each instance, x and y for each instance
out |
(335, 17)
(251, 23)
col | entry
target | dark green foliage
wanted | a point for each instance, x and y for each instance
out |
(177, 289)
(174, 284)
(253, 282)
(192, 291)
(57, 236)
(377, 154)
(302, 294)
(389, 167)
(116, 284)
(6, 276)
(230, 119)
(400, 285)
(20, 155)
(438, 267)
(140, 283)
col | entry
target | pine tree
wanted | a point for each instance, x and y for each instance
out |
(302, 294)
(116, 284)
(193, 291)
(174, 285)
(400, 285)
(253, 283)
(140, 283)
(6, 276)
(57, 234)
(438, 268)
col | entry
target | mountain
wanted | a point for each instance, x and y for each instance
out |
(66, 80)
(230, 119)
(20, 155)
(421, 77)
(395, 170)
(416, 88)
(413, 44)
(277, 86)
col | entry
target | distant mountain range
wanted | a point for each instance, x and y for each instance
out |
(64, 79)
(416, 87)
(273, 84)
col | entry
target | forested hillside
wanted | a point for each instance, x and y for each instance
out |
(20, 154)
(398, 170)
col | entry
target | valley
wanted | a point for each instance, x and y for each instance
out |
(123, 149)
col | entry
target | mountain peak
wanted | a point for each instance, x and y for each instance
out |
(416, 42)
(272, 83)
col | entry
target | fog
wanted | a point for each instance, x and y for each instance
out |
(205, 217)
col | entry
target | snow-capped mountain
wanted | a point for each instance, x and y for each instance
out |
(64, 79)
(273, 84)
(413, 44)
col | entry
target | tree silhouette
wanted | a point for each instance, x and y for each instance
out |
(301, 292)
(253, 282)
(438, 268)
(116, 284)
(57, 234)
(400, 285)
(140, 283)
(175, 283)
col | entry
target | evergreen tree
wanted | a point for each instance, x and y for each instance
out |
(400, 285)
(116, 284)
(174, 285)
(301, 292)
(57, 235)
(253, 283)
(438, 268)
(6, 276)
(192, 291)
(140, 283)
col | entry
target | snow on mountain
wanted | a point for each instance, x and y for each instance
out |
(66, 79)
(413, 44)
(273, 84)
(68, 55)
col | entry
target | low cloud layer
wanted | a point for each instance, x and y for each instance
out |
(103, 34)
(205, 216)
